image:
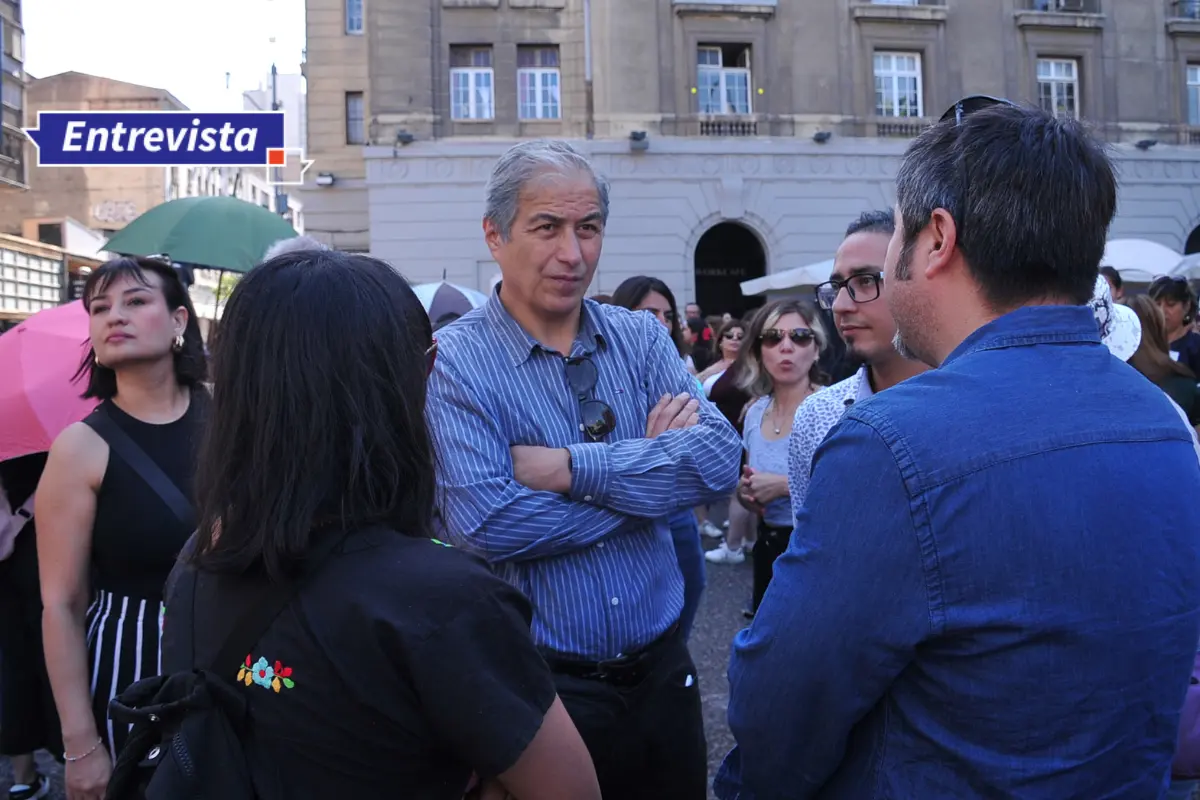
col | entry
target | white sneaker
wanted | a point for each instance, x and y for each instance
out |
(722, 554)
(711, 531)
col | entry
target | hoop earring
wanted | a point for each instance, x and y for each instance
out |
(178, 342)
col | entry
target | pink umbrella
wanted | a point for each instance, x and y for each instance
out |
(38, 399)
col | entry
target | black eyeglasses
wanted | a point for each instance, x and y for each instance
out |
(969, 105)
(863, 288)
(597, 419)
(773, 337)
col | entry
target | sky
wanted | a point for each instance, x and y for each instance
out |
(182, 46)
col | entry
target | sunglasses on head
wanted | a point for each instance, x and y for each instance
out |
(773, 337)
(596, 418)
(969, 105)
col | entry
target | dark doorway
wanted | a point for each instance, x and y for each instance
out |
(1193, 242)
(726, 255)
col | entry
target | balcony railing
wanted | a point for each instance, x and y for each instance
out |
(1184, 9)
(905, 2)
(1063, 6)
(721, 126)
(728, 127)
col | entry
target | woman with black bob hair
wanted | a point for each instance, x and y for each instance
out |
(401, 667)
(106, 539)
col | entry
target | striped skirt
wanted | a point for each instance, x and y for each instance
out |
(123, 637)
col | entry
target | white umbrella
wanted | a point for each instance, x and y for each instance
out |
(443, 298)
(1188, 267)
(1140, 260)
(808, 275)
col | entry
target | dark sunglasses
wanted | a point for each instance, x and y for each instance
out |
(597, 419)
(735, 336)
(430, 357)
(969, 105)
(773, 337)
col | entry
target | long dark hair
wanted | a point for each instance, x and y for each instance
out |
(318, 412)
(191, 367)
(633, 291)
(1153, 356)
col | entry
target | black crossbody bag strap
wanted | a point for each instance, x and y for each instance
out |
(271, 602)
(143, 465)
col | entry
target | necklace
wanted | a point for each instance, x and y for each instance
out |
(775, 411)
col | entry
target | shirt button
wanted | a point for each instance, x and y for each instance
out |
(616, 602)
(599, 544)
(587, 498)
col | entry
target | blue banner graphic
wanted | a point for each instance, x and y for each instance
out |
(158, 139)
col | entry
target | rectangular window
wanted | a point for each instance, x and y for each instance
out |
(471, 83)
(898, 85)
(1193, 94)
(355, 130)
(1058, 86)
(723, 79)
(538, 95)
(354, 16)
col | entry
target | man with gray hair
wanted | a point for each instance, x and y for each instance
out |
(292, 245)
(568, 431)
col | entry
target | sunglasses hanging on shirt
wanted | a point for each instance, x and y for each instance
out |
(597, 419)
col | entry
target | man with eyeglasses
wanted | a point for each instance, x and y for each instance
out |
(568, 432)
(866, 326)
(978, 600)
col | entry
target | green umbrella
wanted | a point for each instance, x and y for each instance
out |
(212, 232)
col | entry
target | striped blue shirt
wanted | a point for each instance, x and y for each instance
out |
(598, 564)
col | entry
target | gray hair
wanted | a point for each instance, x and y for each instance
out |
(292, 245)
(524, 161)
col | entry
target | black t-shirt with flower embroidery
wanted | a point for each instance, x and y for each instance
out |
(401, 667)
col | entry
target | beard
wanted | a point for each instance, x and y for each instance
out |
(902, 273)
(903, 349)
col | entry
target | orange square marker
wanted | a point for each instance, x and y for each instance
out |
(276, 157)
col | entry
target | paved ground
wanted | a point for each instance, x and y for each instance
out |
(719, 618)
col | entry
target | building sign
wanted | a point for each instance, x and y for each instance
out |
(115, 211)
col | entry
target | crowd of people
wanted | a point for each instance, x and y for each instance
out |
(465, 562)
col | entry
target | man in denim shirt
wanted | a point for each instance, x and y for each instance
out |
(987, 594)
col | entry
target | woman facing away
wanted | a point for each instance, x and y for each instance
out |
(780, 367)
(106, 540)
(402, 667)
(650, 294)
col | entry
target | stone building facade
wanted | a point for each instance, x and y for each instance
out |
(740, 136)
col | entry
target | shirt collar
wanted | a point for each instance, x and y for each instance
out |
(1032, 325)
(860, 388)
(518, 345)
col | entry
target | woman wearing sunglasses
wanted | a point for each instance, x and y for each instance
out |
(779, 367)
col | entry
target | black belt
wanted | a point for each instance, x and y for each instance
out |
(624, 671)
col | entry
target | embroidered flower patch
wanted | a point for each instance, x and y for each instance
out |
(269, 676)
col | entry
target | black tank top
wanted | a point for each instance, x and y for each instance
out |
(136, 537)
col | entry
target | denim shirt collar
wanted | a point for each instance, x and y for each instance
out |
(518, 344)
(1032, 325)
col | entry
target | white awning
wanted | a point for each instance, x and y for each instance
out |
(809, 275)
